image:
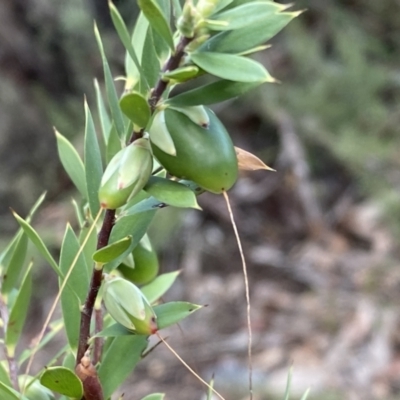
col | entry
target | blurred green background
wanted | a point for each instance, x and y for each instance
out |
(322, 231)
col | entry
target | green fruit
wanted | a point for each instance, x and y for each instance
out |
(204, 155)
(145, 265)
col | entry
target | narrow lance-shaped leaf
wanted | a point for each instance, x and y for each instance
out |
(16, 265)
(110, 89)
(119, 361)
(75, 291)
(232, 67)
(156, 19)
(112, 251)
(159, 286)
(171, 192)
(105, 122)
(123, 34)
(4, 375)
(212, 93)
(8, 393)
(154, 396)
(150, 58)
(62, 380)
(72, 163)
(173, 312)
(93, 164)
(18, 313)
(38, 242)
(249, 162)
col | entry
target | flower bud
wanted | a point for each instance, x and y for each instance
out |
(188, 20)
(206, 7)
(126, 174)
(128, 306)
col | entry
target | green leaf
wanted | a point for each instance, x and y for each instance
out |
(288, 384)
(232, 67)
(171, 192)
(72, 163)
(119, 361)
(110, 89)
(182, 74)
(113, 331)
(113, 144)
(123, 34)
(133, 225)
(4, 376)
(173, 312)
(8, 393)
(221, 4)
(135, 106)
(74, 293)
(18, 313)
(246, 15)
(69, 360)
(150, 58)
(14, 268)
(157, 21)
(212, 93)
(93, 164)
(305, 395)
(112, 251)
(62, 380)
(105, 122)
(38, 242)
(154, 290)
(243, 39)
(90, 247)
(154, 396)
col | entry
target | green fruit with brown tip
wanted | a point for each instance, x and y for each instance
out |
(144, 265)
(204, 155)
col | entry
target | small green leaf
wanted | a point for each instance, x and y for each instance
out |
(113, 331)
(110, 89)
(113, 144)
(212, 93)
(157, 20)
(8, 393)
(136, 108)
(16, 265)
(112, 251)
(90, 246)
(18, 313)
(93, 164)
(4, 376)
(240, 40)
(62, 380)
(232, 67)
(150, 58)
(182, 74)
(173, 312)
(147, 204)
(72, 163)
(105, 122)
(171, 192)
(38, 242)
(305, 395)
(133, 225)
(154, 396)
(154, 290)
(75, 291)
(246, 15)
(119, 361)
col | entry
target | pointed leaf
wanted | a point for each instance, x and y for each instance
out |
(136, 108)
(90, 246)
(4, 376)
(249, 162)
(133, 225)
(246, 15)
(212, 93)
(105, 122)
(182, 74)
(113, 144)
(18, 313)
(93, 164)
(150, 58)
(110, 89)
(173, 312)
(112, 251)
(72, 163)
(38, 242)
(231, 67)
(157, 288)
(240, 40)
(119, 361)
(75, 291)
(171, 192)
(156, 19)
(113, 331)
(13, 270)
(62, 380)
